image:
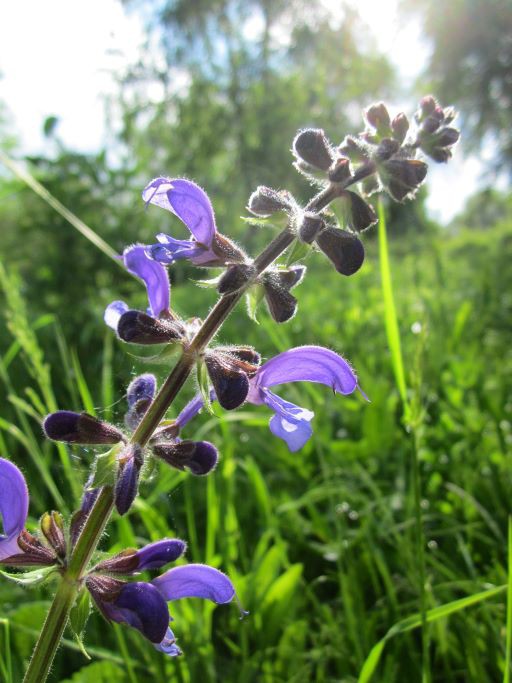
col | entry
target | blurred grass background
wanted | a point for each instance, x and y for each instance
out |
(320, 543)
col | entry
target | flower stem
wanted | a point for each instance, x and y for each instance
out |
(101, 511)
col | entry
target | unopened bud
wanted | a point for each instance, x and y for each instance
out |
(265, 201)
(235, 277)
(345, 250)
(281, 304)
(361, 215)
(127, 484)
(402, 177)
(52, 527)
(230, 382)
(400, 126)
(340, 170)
(377, 116)
(200, 457)
(66, 425)
(428, 105)
(136, 327)
(312, 146)
(446, 137)
(386, 149)
(310, 226)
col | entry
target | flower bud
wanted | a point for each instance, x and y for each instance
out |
(428, 105)
(399, 127)
(310, 226)
(355, 149)
(200, 457)
(361, 215)
(402, 177)
(345, 250)
(244, 353)
(281, 304)
(377, 116)
(66, 425)
(446, 137)
(340, 170)
(235, 277)
(136, 327)
(127, 484)
(229, 380)
(312, 146)
(52, 527)
(264, 201)
(386, 149)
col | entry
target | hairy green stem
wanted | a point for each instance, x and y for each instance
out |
(101, 511)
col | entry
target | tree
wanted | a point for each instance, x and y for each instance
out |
(471, 66)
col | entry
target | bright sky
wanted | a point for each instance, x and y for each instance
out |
(58, 57)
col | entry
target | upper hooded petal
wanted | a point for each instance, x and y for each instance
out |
(141, 606)
(187, 201)
(195, 581)
(153, 274)
(13, 507)
(308, 364)
(160, 553)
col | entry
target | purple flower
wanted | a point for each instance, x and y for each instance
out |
(191, 205)
(13, 507)
(304, 363)
(143, 605)
(154, 277)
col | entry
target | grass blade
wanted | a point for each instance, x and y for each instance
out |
(414, 621)
(508, 641)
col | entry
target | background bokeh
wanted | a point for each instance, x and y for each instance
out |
(320, 543)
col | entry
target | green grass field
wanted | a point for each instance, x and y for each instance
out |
(322, 544)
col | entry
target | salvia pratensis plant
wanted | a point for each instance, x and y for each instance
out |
(384, 157)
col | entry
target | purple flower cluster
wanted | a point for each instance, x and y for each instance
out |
(383, 157)
(140, 604)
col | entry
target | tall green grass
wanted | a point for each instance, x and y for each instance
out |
(319, 543)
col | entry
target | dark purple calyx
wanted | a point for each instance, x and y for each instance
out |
(65, 425)
(136, 327)
(200, 457)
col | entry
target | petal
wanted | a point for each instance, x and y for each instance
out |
(141, 388)
(187, 201)
(170, 250)
(160, 553)
(290, 422)
(154, 276)
(195, 581)
(308, 364)
(113, 312)
(13, 507)
(192, 408)
(168, 645)
(141, 606)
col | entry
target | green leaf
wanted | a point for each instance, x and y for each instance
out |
(204, 385)
(298, 252)
(31, 578)
(78, 617)
(105, 467)
(414, 621)
(253, 298)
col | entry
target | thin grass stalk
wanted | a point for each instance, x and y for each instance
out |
(395, 347)
(508, 639)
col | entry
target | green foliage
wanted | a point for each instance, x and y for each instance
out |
(320, 543)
